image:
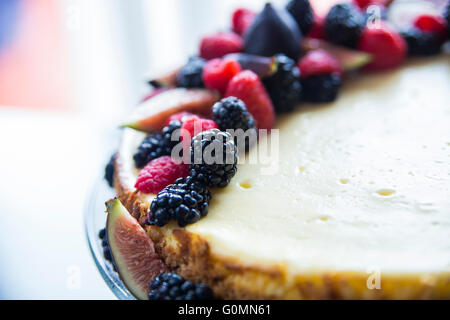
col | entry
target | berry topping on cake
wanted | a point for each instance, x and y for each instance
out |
(386, 45)
(247, 87)
(190, 76)
(242, 19)
(179, 117)
(303, 14)
(363, 4)
(317, 62)
(159, 173)
(170, 286)
(447, 19)
(106, 249)
(213, 158)
(321, 88)
(231, 113)
(348, 59)
(109, 171)
(431, 24)
(193, 125)
(318, 28)
(156, 145)
(284, 86)
(344, 25)
(220, 44)
(218, 72)
(422, 43)
(273, 31)
(185, 201)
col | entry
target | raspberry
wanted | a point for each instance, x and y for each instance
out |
(344, 24)
(318, 29)
(387, 47)
(220, 44)
(303, 14)
(317, 62)
(217, 73)
(179, 117)
(363, 4)
(431, 24)
(242, 19)
(247, 87)
(194, 125)
(159, 173)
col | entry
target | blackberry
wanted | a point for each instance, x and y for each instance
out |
(109, 171)
(422, 43)
(209, 168)
(344, 25)
(185, 201)
(322, 87)
(106, 249)
(156, 145)
(170, 286)
(302, 12)
(284, 86)
(190, 76)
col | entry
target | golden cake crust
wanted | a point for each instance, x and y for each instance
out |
(190, 255)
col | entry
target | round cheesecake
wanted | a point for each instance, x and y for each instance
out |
(354, 202)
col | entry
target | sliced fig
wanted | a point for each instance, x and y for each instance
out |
(167, 80)
(132, 250)
(262, 66)
(350, 59)
(152, 114)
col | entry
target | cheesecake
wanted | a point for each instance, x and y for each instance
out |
(342, 194)
(356, 206)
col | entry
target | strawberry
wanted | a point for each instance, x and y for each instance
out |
(217, 73)
(159, 173)
(431, 23)
(317, 62)
(220, 44)
(248, 87)
(242, 19)
(386, 45)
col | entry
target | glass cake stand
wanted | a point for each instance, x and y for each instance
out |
(94, 220)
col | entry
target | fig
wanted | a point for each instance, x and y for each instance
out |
(349, 59)
(273, 31)
(151, 115)
(262, 66)
(132, 250)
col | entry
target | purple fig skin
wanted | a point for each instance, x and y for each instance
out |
(263, 66)
(272, 32)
